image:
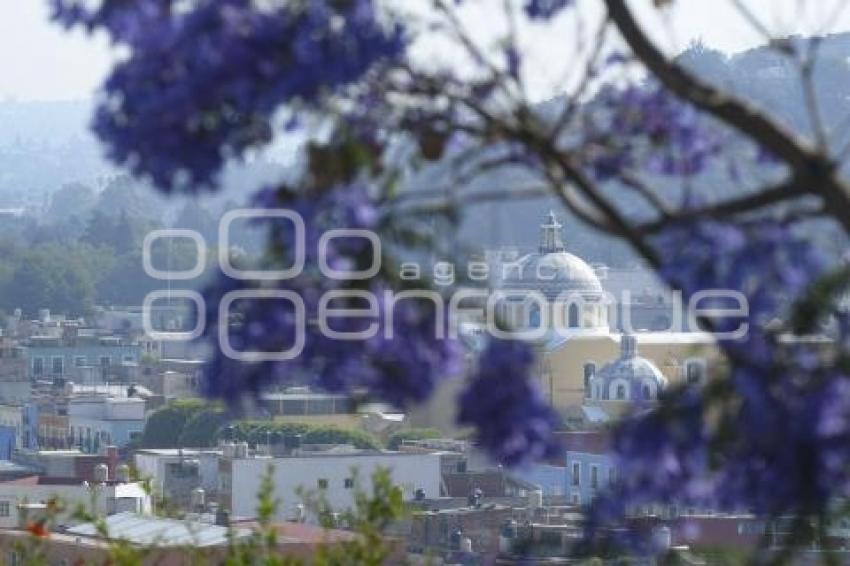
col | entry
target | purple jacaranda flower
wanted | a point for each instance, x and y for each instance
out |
(785, 404)
(545, 9)
(202, 85)
(646, 125)
(512, 421)
(400, 362)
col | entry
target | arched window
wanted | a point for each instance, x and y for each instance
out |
(572, 316)
(621, 392)
(534, 316)
(589, 372)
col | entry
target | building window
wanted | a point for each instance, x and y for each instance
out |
(534, 316)
(589, 372)
(38, 366)
(79, 361)
(694, 371)
(621, 393)
(576, 473)
(572, 316)
(647, 392)
(349, 483)
(594, 477)
(4, 508)
(128, 359)
(612, 475)
(105, 361)
(58, 366)
(322, 483)
(576, 499)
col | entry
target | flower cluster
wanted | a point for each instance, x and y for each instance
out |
(202, 85)
(786, 404)
(545, 9)
(646, 126)
(764, 260)
(513, 422)
(400, 362)
(662, 458)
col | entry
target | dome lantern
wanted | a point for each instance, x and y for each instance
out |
(628, 346)
(551, 240)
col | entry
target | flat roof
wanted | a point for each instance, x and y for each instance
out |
(306, 455)
(146, 530)
(178, 451)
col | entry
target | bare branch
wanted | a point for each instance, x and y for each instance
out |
(637, 185)
(815, 170)
(807, 77)
(756, 201)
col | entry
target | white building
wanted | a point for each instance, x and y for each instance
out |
(97, 420)
(30, 495)
(157, 465)
(330, 473)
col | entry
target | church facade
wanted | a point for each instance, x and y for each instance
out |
(582, 335)
(562, 299)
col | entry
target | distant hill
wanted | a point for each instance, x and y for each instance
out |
(46, 145)
(759, 75)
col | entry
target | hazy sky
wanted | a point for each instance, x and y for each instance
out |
(40, 61)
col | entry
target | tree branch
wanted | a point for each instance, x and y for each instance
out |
(815, 170)
(774, 195)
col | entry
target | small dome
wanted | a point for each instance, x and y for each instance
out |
(628, 378)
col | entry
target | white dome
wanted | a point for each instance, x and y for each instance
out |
(552, 273)
(552, 270)
(573, 299)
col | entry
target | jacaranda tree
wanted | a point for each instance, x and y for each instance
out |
(203, 82)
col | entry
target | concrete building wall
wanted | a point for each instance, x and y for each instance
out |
(331, 474)
(116, 432)
(560, 371)
(151, 464)
(101, 499)
(42, 361)
(433, 529)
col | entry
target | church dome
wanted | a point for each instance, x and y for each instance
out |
(552, 270)
(628, 378)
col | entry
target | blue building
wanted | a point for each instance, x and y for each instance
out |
(53, 357)
(7, 442)
(590, 465)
